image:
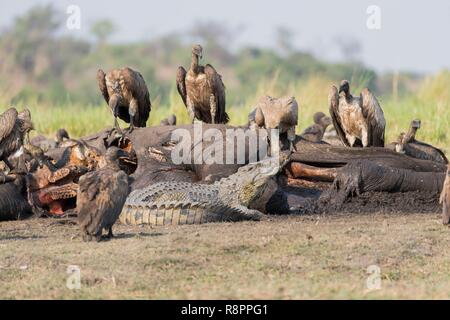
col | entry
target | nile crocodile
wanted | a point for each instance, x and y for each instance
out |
(177, 203)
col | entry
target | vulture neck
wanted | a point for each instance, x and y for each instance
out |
(411, 135)
(194, 64)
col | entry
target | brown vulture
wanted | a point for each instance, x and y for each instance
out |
(127, 95)
(48, 144)
(316, 132)
(276, 113)
(445, 198)
(359, 121)
(202, 90)
(14, 127)
(407, 144)
(101, 196)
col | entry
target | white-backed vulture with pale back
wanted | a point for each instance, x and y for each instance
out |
(127, 95)
(359, 121)
(202, 90)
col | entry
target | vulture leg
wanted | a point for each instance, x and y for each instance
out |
(133, 110)
(110, 233)
(98, 236)
(213, 106)
(114, 106)
(291, 137)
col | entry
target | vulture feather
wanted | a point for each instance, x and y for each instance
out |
(101, 196)
(202, 90)
(127, 95)
(359, 121)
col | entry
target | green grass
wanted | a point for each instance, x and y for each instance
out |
(431, 104)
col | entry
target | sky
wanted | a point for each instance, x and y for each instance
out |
(412, 35)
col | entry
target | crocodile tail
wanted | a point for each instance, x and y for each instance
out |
(139, 215)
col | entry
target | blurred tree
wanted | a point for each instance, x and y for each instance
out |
(350, 48)
(284, 40)
(102, 30)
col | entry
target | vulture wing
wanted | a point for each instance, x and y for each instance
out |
(101, 79)
(218, 88)
(7, 122)
(181, 84)
(372, 111)
(134, 82)
(333, 102)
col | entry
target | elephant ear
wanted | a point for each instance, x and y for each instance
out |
(7, 122)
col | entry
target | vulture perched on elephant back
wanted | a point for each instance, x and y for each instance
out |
(202, 90)
(408, 145)
(359, 121)
(14, 127)
(127, 95)
(445, 198)
(101, 196)
(316, 132)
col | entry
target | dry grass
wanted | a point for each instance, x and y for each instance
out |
(286, 258)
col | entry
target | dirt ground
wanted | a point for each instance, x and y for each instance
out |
(287, 257)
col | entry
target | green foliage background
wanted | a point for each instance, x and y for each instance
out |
(54, 75)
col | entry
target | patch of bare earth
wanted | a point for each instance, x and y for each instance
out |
(317, 256)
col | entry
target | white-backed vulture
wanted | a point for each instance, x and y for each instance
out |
(407, 144)
(445, 198)
(276, 113)
(101, 196)
(14, 127)
(202, 90)
(359, 121)
(127, 95)
(316, 132)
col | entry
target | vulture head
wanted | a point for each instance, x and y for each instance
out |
(197, 50)
(113, 156)
(24, 119)
(415, 124)
(344, 87)
(61, 134)
(321, 119)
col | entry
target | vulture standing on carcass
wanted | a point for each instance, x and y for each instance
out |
(48, 144)
(14, 127)
(359, 121)
(445, 198)
(408, 145)
(202, 90)
(169, 121)
(101, 196)
(316, 132)
(276, 113)
(127, 95)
